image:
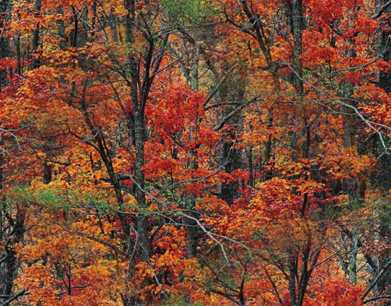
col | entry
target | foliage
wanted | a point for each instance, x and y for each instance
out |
(195, 152)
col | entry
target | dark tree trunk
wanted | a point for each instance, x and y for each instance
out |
(11, 228)
(36, 38)
(233, 91)
(384, 168)
(4, 43)
(142, 230)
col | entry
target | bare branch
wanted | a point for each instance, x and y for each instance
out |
(376, 279)
(382, 10)
(14, 297)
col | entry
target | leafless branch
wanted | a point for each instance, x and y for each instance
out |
(375, 280)
(382, 10)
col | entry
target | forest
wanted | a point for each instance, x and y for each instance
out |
(195, 152)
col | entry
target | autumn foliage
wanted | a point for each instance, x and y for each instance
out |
(195, 152)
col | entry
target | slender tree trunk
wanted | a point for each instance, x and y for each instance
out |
(251, 170)
(233, 90)
(142, 229)
(292, 263)
(4, 43)
(36, 35)
(139, 97)
(384, 168)
(192, 230)
(11, 228)
(299, 274)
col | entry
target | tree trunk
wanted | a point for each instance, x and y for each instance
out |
(142, 230)
(4, 43)
(35, 42)
(384, 168)
(233, 91)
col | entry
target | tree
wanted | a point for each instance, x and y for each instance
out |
(194, 152)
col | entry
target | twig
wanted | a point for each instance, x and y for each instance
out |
(382, 10)
(374, 282)
(14, 297)
(383, 297)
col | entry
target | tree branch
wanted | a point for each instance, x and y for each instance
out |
(382, 10)
(376, 279)
(14, 297)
